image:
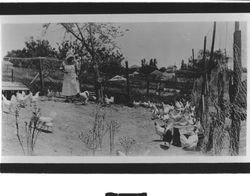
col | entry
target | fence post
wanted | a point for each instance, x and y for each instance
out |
(203, 82)
(234, 90)
(12, 75)
(128, 87)
(193, 57)
(148, 86)
(41, 76)
(211, 53)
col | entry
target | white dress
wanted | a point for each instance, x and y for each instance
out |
(70, 83)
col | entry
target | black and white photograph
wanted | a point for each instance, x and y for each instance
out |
(124, 88)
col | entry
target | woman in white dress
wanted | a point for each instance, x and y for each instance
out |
(70, 81)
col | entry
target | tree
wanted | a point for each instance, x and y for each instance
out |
(39, 48)
(163, 69)
(33, 48)
(155, 63)
(91, 38)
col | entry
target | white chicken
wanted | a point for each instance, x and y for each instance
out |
(177, 104)
(50, 94)
(160, 130)
(58, 94)
(120, 153)
(193, 109)
(48, 121)
(34, 98)
(191, 142)
(167, 108)
(165, 117)
(176, 115)
(145, 104)
(22, 98)
(84, 97)
(136, 104)
(109, 100)
(187, 105)
(9, 104)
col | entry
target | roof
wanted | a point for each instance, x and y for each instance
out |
(167, 76)
(135, 73)
(156, 73)
(14, 86)
(135, 67)
(118, 78)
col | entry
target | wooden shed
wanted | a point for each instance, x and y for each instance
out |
(10, 88)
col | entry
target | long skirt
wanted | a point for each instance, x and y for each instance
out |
(70, 86)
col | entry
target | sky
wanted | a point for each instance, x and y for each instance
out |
(168, 42)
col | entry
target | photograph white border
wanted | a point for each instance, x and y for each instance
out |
(21, 19)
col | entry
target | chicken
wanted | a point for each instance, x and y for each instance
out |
(84, 97)
(167, 108)
(50, 94)
(154, 110)
(120, 153)
(187, 105)
(9, 104)
(136, 104)
(35, 98)
(48, 121)
(191, 142)
(159, 130)
(198, 126)
(109, 101)
(58, 94)
(145, 104)
(176, 116)
(22, 98)
(193, 109)
(178, 104)
(165, 117)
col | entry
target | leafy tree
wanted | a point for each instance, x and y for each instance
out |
(39, 48)
(93, 37)
(146, 67)
(33, 48)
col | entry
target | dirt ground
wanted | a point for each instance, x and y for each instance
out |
(73, 118)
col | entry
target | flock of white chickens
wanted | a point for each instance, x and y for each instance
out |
(178, 123)
(21, 100)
